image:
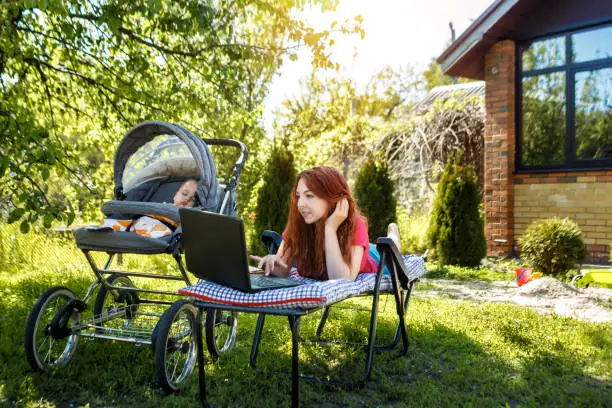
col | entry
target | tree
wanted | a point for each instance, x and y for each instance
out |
(417, 147)
(333, 123)
(433, 76)
(374, 192)
(75, 75)
(274, 196)
(391, 93)
(456, 228)
(322, 125)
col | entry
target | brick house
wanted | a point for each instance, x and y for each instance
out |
(548, 127)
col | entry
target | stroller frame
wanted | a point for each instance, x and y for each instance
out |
(117, 291)
(57, 315)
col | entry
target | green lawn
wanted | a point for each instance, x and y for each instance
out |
(461, 353)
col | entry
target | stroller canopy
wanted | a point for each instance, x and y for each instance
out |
(154, 150)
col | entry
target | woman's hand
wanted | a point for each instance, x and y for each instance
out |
(339, 215)
(272, 264)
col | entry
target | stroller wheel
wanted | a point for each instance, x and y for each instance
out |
(175, 349)
(116, 310)
(221, 329)
(49, 342)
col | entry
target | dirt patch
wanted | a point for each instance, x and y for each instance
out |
(545, 295)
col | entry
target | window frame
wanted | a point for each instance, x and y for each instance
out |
(570, 69)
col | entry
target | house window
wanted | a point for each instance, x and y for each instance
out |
(565, 101)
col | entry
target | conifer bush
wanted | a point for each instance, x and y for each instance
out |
(374, 192)
(456, 227)
(273, 199)
(553, 245)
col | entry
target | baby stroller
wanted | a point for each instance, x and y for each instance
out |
(152, 161)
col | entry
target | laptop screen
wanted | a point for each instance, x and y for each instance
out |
(215, 247)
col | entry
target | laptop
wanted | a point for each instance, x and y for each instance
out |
(215, 250)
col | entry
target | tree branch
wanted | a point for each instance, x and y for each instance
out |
(15, 166)
(219, 87)
(164, 49)
(43, 78)
(71, 46)
(74, 108)
(95, 83)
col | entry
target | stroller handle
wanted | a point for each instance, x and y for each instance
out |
(238, 166)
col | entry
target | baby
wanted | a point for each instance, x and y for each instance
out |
(155, 226)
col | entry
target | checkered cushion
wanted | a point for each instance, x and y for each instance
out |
(415, 266)
(310, 295)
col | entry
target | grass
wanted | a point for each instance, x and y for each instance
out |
(461, 353)
(489, 271)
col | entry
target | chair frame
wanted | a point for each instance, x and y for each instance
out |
(401, 289)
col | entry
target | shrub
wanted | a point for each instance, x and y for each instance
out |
(374, 194)
(456, 227)
(273, 200)
(553, 245)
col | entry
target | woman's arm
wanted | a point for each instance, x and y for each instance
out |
(336, 266)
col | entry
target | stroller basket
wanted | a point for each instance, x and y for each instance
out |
(133, 326)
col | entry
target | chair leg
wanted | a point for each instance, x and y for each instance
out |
(371, 337)
(294, 322)
(401, 308)
(322, 322)
(256, 340)
(396, 337)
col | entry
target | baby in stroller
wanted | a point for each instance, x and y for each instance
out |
(156, 226)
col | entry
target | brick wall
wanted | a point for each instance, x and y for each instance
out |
(499, 149)
(585, 197)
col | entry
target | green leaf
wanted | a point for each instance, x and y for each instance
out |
(24, 227)
(44, 172)
(68, 29)
(113, 24)
(4, 163)
(70, 218)
(15, 215)
(47, 220)
(50, 158)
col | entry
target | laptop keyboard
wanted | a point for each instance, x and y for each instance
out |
(262, 281)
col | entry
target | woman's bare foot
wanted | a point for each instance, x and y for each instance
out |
(394, 234)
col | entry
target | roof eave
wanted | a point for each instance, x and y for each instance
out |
(464, 50)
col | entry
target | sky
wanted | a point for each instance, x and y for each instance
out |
(397, 33)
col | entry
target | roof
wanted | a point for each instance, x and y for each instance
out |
(517, 20)
(445, 92)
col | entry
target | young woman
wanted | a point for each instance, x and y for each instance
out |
(326, 237)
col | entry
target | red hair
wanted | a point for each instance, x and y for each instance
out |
(305, 243)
